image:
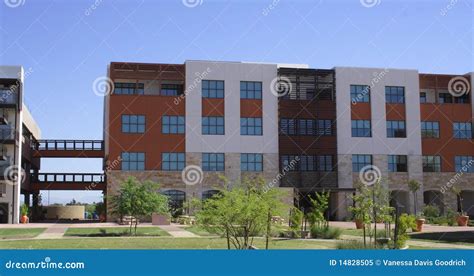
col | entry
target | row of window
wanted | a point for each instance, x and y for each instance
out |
(135, 161)
(393, 94)
(322, 163)
(397, 129)
(399, 163)
(446, 98)
(308, 127)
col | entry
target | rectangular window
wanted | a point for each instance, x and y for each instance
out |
(396, 129)
(289, 162)
(250, 90)
(431, 163)
(250, 126)
(172, 161)
(213, 89)
(306, 127)
(430, 129)
(251, 162)
(133, 161)
(360, 93)
(395, 94)
(361, 128)
(213, 125)
(213, 162)
(324, 127)
(462, 130)
(129, 88)
(445, 98)
(325, 163)
(288, 126)
(307, 163)
(397, 163)
(133, 123)
(173, 125)
(422, 97)
(359, 161)
(464, 164)
(171, 89)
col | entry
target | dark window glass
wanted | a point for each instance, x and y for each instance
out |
(213, 162)
(171, 89)
(396, 129)
(173, 125)
(250, 126)
(360, 93)
(288, 126)
(290, 162)
(397, 163)
(133, 161)
(213, 125)
(252, 162)
(325, 163)
(361, 128)
(133, 123)
(430, 129)
(462, 130)
(422, 97)
(395, 94)
(172, 161)
(250, 90)
(464, 164)
(431, 163)
(212, 89)
(129, 88)
(360, 160)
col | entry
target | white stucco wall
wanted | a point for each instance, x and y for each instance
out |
(231, 73)
(378, 143)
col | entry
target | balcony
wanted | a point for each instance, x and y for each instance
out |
(8, 97)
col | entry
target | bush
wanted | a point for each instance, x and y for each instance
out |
(405, 222)
(431, 212)
(354, 245)
(325, 232)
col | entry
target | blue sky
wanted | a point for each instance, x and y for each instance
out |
(66, 45)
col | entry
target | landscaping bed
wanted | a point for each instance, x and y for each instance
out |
(114, 232)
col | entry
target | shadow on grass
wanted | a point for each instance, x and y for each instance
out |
(461, 236)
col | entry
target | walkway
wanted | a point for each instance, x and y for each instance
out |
(178, 232)
(55, 231)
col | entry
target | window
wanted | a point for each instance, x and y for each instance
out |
(172, 161)
(325, 163)
(422, 97)
(129, 88)
(307, 163)
(250, 90)
(213, 162)
(289, 162)
(172, 125)
(394, 94)
(445, 98)
(209, 194)
(176, 201)
(359, 161)
(133, 161)
(462, 130)
(212, 89)
(431, 163)
(464, 164)
(430, 129)
(250, 126)
(397, 163)
(360, 93)
(288, 126)
(361, 128)
(213, 125)
(251, 162)
(306, 127)
(324, 127)
(133, 123)
(396, 129)
(171, 89)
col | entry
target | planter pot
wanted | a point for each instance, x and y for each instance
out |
(102, 218)
(24, 219)
(462, 220)
(419, 225)
(359, 224)
(157, 219)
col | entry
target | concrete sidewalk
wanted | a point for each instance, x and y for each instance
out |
(177, 232)
(55, 231)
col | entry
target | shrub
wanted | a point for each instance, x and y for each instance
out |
(325, 232)
(430, 212)
(405, 222)
(296, 219)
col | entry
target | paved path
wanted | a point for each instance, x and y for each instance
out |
(55, 231)
(178, 232)
(427, 228)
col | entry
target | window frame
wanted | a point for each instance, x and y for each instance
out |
(213, 129)
(211, 91)
(357, 130)
(358, 89)
(138, 162)
(251, 166)
(247, 92)
(170, 161)
(167, 126)
(211, 162)
(126, 123)
(392, 131)
(393, 94)
(251, 126)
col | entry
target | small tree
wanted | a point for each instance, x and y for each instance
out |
(363, 206)
(414, 186)
(458, 194)
(137, 199)
(319, 205)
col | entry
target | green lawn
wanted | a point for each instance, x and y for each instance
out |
(20, 233)
(198, 230)
(155, 243)
(114, 232)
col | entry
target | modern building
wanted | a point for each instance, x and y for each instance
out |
(303, 130)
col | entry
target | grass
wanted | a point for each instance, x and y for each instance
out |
(20, 233)
(198, 230)
(461, 237)
(155, 243)
(114, 232)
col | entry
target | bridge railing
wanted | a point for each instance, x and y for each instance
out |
(69, 145)
(68, 177)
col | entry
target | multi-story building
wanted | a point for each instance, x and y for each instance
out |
(302, 129)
